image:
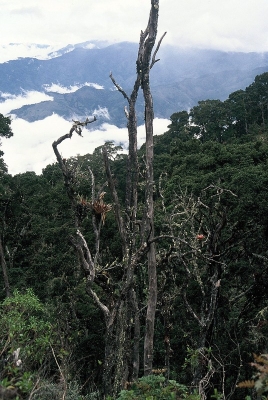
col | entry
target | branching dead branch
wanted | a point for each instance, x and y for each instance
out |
(156, 51)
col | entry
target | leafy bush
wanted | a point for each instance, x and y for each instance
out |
(25, 337)
(24, 325)
(156, 388)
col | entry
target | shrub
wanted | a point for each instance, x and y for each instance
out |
(156, 387)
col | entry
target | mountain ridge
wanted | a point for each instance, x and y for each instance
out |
(179, 80)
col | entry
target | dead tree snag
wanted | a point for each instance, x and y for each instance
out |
(121, 315)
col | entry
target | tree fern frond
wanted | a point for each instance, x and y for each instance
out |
(246, 384)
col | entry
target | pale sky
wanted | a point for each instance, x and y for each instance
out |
(229, 25)
(236, 25)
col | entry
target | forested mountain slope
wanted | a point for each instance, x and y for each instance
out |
(179, 81)
(211, 221)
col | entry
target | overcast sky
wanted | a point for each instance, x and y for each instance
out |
(230, 25)
(237, 25)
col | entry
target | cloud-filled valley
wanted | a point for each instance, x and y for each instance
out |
(12, 101)
(43, 96)
(30, 149)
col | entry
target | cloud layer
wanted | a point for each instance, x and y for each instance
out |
(230, 25)
(13, 102)
(227, 25)
(30, 149)
(62, 89)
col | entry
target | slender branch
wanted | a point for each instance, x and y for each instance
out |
(119, 87)
(192, 311)
(92, 184)
(61, 374)
(156, 50)
(204, 382)
(34, 390)
(5, 346)
(213, 298)
(79, 242)
(84, 254)
(102, 306)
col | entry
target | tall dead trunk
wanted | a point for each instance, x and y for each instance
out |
(145, 63)
(122, 314)
(149, 209)
(4, 270)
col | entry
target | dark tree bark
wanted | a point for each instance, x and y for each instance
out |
(147, 43)
(4, 270)
(144, 63)
(121, 316)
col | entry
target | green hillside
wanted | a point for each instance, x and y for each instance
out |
(211, 235)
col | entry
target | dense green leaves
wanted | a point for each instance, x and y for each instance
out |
(211, 179)
(209, 116)
(156, 387)
(24, 324)
(5, 126)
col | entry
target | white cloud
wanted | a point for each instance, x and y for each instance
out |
(70, 89)
(227, 25)
(30, 149)
(14, 51)
(13, 102)
(101, 112)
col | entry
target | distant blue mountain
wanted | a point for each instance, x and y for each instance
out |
(179, 80)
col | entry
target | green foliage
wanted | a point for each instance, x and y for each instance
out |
(155, 387)
(23, 381)
(226, 149)
(5, 131)
(244, 114)
(16, 380)
(5, 128)
(24, 325)
(216, 395)
(192, 357)
(210, 117)
(24, 328)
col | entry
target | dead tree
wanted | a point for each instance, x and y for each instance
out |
(201, 237)
(118, 314)
(121, 314)
(145, 61)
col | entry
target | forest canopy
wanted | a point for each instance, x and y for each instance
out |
(210, 194)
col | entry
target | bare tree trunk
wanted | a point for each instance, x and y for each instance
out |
(149, 209)
(122, 315)
(4, 270)
(136, 338)
(145, 63)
